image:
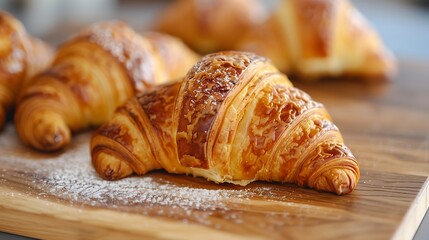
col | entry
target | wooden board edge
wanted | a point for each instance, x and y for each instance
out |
(415, 214)
(47, 219)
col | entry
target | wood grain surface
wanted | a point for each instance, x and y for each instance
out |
(386, 125)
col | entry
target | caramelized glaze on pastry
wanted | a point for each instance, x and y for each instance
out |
(234, 118)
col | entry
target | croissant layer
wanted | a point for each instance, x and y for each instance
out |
(234, 118)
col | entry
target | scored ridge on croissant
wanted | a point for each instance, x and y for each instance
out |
(234, 118)
(21, 57)
(92, 74)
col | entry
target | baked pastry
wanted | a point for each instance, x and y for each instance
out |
(234, 118)
(320, 38)
(211, 25)
(21, 57)
(92, 74)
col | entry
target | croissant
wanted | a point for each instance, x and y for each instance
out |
(211, 25)
(319, 38)
(235, 118)
(21, 57)
(92, 74)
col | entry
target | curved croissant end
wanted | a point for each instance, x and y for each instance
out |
(38, 125)
(92, 74)
(339, 172)
(235, 118)
(21, 56)
(45, 130)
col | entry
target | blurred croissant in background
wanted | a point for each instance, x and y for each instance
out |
(213, 25)
(310, 39)
(92, 74)
(21, 57)
(318, 38)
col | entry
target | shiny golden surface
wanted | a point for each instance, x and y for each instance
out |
(92, 74)
(21, 57)
(319, 38)
(235, 118)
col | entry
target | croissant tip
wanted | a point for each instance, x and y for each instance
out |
(108, 174)
(339, 181)
(42, 130)
(53, 141)
(344, 188)
(110, 167)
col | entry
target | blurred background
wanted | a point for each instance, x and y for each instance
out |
(403, 24)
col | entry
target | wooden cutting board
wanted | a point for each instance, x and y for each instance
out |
(386, 125)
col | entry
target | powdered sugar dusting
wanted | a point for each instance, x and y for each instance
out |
(128, 47)
(14, 63)
(71, 178)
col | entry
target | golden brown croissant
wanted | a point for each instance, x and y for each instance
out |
(92, 74)
(21, 56)
(318, 38)
(235, 118)
(211, 25)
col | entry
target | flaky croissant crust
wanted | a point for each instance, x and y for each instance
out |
(235, 118)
